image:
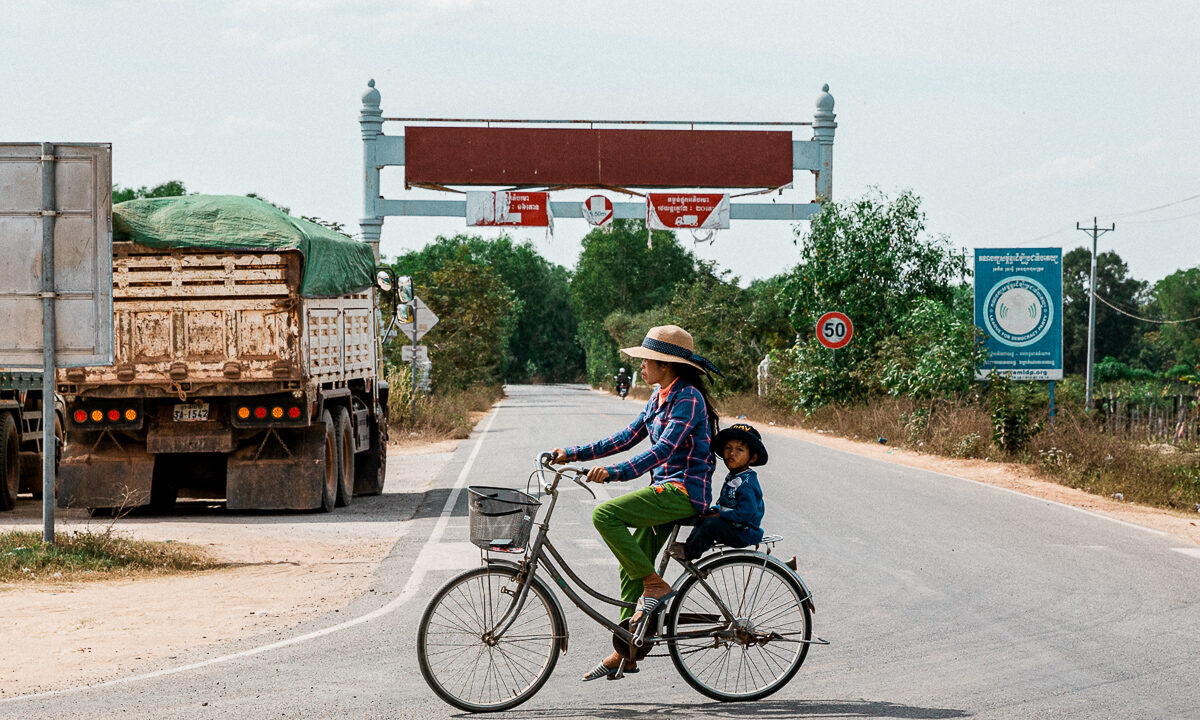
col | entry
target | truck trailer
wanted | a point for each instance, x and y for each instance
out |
(248, 365)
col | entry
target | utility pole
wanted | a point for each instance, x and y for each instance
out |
(1095, 231)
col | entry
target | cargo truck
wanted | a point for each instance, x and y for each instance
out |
(247, 365)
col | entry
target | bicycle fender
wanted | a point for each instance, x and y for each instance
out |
(537, 580)
(771, 559)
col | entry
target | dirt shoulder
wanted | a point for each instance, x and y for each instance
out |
(282, 569)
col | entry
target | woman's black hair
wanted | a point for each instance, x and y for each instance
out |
(694, 377)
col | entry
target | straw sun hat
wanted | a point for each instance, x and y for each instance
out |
(671, 343)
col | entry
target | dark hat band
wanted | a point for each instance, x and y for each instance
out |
(680, 352)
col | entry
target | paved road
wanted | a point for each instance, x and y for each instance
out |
(943, 598)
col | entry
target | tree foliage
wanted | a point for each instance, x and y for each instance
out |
(543, 342)
(476, 321)
(171, 188)
(619, 271)
(1117, 335)
(1177, 297)
(870, 259)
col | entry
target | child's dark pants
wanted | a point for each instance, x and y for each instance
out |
(709, 532)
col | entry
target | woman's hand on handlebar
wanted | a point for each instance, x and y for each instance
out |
(558, 456)
(597, 475)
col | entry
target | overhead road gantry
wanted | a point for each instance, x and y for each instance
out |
(619, 156)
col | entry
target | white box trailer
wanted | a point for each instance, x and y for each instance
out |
(228, 382)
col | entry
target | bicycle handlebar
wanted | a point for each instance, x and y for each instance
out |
(550, 486)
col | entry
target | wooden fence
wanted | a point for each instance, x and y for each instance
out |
(1172, 419)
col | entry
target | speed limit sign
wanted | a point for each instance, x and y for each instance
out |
(834, 330)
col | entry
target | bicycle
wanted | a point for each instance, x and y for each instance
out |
(739, 626)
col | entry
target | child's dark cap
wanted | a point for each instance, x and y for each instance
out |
(745, 433)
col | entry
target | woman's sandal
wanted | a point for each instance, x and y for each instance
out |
(647, 606)
(603, 671)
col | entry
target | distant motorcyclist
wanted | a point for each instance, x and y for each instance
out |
(623, 380)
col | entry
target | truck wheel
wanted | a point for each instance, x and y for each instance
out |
(10, 462)
(345, 458)
(371, 468)
(329, 490)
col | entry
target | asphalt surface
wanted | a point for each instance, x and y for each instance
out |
(943, 598)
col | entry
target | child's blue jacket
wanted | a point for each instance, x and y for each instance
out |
(741, 505)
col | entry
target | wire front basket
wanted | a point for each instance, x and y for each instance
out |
(501, 518)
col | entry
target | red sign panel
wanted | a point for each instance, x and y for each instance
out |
(834, 330)
(510, 208)
(588, 157)
(672, 211)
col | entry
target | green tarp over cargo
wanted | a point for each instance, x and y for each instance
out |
(333, 263)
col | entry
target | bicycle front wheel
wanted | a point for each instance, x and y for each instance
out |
(465, 667)
(753, 655)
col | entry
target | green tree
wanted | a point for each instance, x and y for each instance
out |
(1177, 297)
(475, 322)
(933, 355)
(619, 270)
(171, 188)
(1117, 335)
(544, 344)
(870, 259)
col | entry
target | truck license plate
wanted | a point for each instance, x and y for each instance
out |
(191, 413)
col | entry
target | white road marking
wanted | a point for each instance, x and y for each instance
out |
(406, 594)
(1192, 551)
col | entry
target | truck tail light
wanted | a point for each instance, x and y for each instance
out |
(243, 412)
(114, 415)
(80, 416)
(294, 413)
(97, 416)
(276, 412)
(131, 414)
(107, 415)
(260, 412)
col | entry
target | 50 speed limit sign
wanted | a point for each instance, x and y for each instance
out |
(834, 330)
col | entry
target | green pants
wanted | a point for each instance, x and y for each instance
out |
(651, 515)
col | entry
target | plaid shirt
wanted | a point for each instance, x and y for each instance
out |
(680, 453)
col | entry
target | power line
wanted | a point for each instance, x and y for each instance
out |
(1104, 300)
(1157, 207)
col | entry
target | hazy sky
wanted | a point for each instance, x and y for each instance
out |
(1012, 121)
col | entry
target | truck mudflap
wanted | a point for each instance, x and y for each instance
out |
(285, 471)
(113, 478)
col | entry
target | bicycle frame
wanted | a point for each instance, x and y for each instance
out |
(542, 553)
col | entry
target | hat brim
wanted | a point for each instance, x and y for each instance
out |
(755, 444)
(648, 354)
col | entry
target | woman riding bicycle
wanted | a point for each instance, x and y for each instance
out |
(680, 421)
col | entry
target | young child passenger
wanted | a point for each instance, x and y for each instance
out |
(736, 518)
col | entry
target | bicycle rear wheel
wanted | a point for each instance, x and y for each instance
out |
(471, 673)
(756, 654)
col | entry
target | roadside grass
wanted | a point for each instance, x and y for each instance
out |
(92, 555)
(1074, 452)
(449, 415)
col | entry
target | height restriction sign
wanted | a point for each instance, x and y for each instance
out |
(701, 211)
(834, 330)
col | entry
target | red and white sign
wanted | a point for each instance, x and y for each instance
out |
(598, 210)
(509, 208)
(834, 330)
(673, 211)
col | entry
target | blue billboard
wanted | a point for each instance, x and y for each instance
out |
(1018, 305)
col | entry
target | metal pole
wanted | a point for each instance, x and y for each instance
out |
(1095, 231)
(412, 291)
(49, 339)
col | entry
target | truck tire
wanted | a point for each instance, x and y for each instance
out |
(345, 433)
(332, 465)
(371, 467)
(10, 462)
